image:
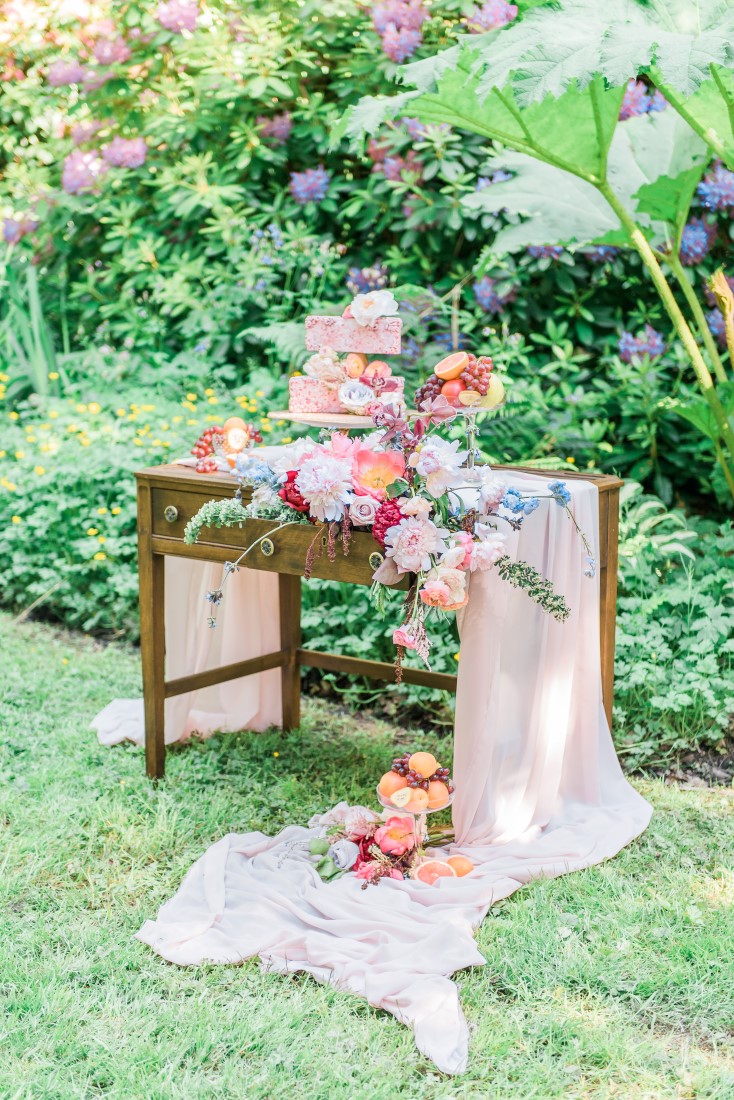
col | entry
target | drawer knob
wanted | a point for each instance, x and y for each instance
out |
(267, 547)
(171, 513)
(375, 560)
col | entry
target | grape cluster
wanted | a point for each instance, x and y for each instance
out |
(476, 375)
(401, 766)
(204, 445)
(207, 465)
(430, 389)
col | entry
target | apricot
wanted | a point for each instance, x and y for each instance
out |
(390, 783)
(424, 763)
(418, 800)
(355, 363)
(438, 794)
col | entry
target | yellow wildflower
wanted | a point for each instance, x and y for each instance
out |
(99, 556)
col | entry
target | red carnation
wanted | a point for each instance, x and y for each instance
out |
(290, 494)
(387, 515)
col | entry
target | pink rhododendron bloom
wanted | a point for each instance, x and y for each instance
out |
(84, 131)
(373, 471)
(277, 128)
(125, 152)
(178, 15)
(111, 51)
(95, 78)
(61, 73)
(396, 836)
(81, 172)
(412, 541)
(362, 511)
(445, 588)
(325, 482)
(403, 637)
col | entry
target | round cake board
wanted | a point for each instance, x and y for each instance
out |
(340, 421)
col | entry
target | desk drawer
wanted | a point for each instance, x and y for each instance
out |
(285, 552)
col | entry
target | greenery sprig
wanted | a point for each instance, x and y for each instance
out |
(215, 513)
(522, 575)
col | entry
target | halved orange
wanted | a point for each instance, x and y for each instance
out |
(430, 870)
(451, 366)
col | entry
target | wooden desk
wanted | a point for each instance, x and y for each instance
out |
(168, 497)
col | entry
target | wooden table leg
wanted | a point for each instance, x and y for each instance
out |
(289, 592)
(608, 535)
(152, 638)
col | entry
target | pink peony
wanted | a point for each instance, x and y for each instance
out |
(362, 511)
(324, 481)
(373, 471)
(178, 15)
(488, 550)
(445, 588)
(81, 172)
(396, 836)
(439, 463)
(412, 542)
(125, 152)
(359, 821)
(491, 489)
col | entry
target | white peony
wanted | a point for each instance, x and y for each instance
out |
(411, 543)
(366, 309)
(489, 549)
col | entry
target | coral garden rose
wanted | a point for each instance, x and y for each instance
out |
(445, 588)
(373, 471)
(396, 836)
(403, 637)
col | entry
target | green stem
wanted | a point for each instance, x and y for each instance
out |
(703, 375)
(708, 135)
(699, 316)
(721, 459)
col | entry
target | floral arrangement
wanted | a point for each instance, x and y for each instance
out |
(436, 519)
(355, 840)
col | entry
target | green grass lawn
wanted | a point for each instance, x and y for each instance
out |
(613, 982)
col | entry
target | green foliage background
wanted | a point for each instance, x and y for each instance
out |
(170, 295)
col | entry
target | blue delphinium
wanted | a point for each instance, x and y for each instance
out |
(545, 251)
(516, 503)
(253, 471)
(696, 240)
(560, 493)
(650, 343)
(309, 186)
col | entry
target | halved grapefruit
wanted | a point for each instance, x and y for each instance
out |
(430, 870)
(451, 366)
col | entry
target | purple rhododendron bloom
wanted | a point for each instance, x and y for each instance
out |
(395, 166)
(401, 44)
(61, 73)
(545, 251)
(84, 131)
(488, 297)
(14, 229)
(178, 15)
(491, 15)
(81, 171)
(400, 14)
(716, 189)
(95, 78)
(361, 280)
(125, 152)
(309, 186)
(111, 51)
(716, 324)
(277, 128)
(638, 101)
(696, 241)
(649, 343)
(600, 253)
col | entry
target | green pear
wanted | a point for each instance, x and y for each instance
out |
(495, 394)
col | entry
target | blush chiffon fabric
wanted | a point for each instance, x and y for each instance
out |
(539, 792)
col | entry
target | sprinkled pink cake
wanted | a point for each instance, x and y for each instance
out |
(311, 395)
